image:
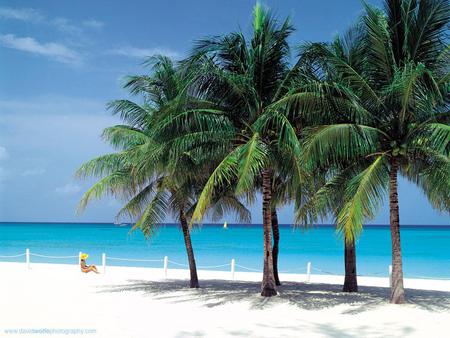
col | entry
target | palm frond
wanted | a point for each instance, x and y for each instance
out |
(363, 196)
(153, 214)
(253, 158)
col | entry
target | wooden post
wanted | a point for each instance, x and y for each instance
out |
(308, 272)
(166, 264)
(233, 264)
(27, 256)
(104, 262)
(390, 276)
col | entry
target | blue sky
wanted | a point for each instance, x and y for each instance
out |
(61, 61)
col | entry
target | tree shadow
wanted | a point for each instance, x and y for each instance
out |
(306, 296)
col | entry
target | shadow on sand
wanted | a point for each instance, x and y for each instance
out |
(306, 296)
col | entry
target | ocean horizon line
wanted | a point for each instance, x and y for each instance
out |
(129, 224)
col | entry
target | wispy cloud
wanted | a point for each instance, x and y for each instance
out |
(34, 172)
(34, 16)
(64, 25)
(3, 153)
(53, 50)
(92, 23)
(135, 52)
(23, 14)
(68, 189)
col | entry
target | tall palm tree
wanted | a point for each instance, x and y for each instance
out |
(398, 91)
(146, 172)
(247, 82)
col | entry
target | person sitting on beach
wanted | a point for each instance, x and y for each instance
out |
(84, 267)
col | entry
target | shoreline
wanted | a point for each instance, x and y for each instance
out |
(140, 302)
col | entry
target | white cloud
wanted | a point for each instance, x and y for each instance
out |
(145, 52)
(23, 14)
(3, 153)
(34, 172)
(64, 25)
(68, 189)
(52, 50)
(32, 15)
(92, 23)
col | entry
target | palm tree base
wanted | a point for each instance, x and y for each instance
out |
(398, 296)
(268, 292)
(194, 285)
(350, 284)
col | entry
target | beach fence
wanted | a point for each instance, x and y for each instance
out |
(232, 265)
(166, 262)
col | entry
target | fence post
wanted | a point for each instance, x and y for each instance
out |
(104, 262)
(233, 264)
(308, 272)
(166, 264)
(27, 256)
(390, 276)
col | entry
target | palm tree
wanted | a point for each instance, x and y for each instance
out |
(328, 201)
(247, 83)
(146, 172)
(281, 195)
(398, 123)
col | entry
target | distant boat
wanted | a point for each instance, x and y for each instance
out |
(225, 225)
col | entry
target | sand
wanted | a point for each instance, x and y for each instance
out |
(60, 301)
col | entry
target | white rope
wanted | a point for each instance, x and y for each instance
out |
(45, 256)
(327, 272)
(246, 268)
(292, 270)
(12, 256)
(213, 266)
(179, 264)
(426, 277)
(374, 274)
(134, 260)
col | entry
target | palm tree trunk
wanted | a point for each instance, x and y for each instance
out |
(268, 287)
(397, 289)
(350, 282)
(189, 250)
(276, 241)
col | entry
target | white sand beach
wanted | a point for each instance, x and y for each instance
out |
(58, 300)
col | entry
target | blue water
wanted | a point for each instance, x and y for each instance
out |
(426, 250)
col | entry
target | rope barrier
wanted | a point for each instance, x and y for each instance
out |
(55, 257)
(326, 272)
(426, 277)
(179, 264)
(292, 270)
(295, 270)
(375, 274)
(246, 268)
(213, 266)
(134, 260)
(13, 256)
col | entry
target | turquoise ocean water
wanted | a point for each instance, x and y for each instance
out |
(426, 249)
